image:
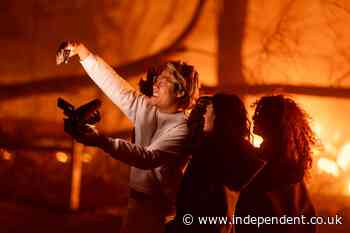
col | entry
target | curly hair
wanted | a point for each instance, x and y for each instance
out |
(291, 124)
(231, 118)
(190, 83)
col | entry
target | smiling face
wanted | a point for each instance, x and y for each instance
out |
(165, 95)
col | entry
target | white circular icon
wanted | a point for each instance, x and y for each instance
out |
(187, 219)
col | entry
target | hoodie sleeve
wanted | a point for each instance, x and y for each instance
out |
(118, 90)
(166, 149)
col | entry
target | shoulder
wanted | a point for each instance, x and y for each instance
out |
(145, 107)
(178, 130)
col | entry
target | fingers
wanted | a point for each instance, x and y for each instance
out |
(66, 50)
(80, 130)
(94, 118)
(88, 135)
(72, 45)
(59, 58)
(68, 45)
(85, 134)
(87, 130)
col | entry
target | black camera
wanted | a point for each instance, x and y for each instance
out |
(85, 114)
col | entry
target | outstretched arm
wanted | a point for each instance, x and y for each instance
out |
(110, 82)
(166, 149)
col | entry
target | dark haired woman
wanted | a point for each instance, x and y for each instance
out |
(221, 157)
(279, 190)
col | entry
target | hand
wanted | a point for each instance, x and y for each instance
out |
(69, 49)
(85, 134)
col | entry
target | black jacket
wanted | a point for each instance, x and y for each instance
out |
(211, 168)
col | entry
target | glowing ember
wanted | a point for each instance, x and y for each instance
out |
(328, 166)
(257, 140)
(62, 157)
(343, 159)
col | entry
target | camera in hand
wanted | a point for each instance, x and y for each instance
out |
(62, 54)
(78, 117)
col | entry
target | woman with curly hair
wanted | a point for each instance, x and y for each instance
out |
(221, 157)
(279, 190)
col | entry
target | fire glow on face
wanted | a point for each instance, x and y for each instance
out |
(330, 172)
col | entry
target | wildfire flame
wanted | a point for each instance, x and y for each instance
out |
(317, 129)
(334, 160)
(343, 159)
(328, 166)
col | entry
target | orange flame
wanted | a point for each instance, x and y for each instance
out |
(343, 159)
(328, 166)
(317, 129)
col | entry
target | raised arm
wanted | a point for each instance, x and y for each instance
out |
(110, 82)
